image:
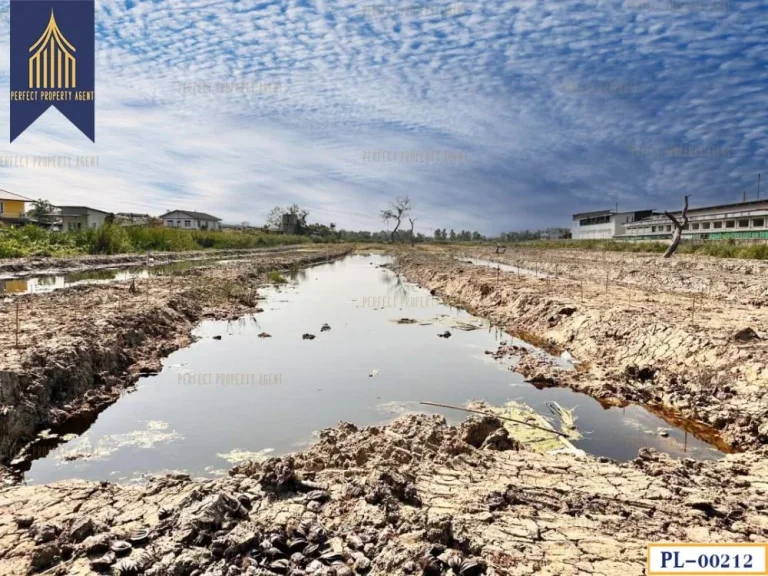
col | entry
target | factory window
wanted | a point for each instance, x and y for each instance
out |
(186, 223)
(718, 224)
(653, 228)
(695, 226)
(594, 220)
(758, 222)
(743, 223)
(730, 224)
(705, 226)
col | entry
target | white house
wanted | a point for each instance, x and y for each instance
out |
(603, 224)
(79, 217)
(191, 220)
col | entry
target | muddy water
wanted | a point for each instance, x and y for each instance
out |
(502, 267)
(48, 283)
(223, 399)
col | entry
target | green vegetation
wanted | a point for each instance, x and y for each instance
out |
(110, 239)
(719, 248)
(275, 277)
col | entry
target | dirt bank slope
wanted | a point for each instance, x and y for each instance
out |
(79, 348)
(708, 364)
(47, 265)
(416, 496)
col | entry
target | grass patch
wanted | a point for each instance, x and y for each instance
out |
(276, 278)
(717, 248)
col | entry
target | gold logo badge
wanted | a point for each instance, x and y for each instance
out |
(52, 64)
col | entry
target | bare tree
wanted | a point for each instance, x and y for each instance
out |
(413, 222)
(398, 210)
(677, 235)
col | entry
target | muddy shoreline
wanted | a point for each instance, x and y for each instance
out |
(79, 349)
(413, 497)
(416, 496)
(633, 348)
(24, 267)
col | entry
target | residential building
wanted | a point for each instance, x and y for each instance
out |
(12, 208)
(79, 217)
(190, 220)
(132, 219)
(603, 224)
(739, 220)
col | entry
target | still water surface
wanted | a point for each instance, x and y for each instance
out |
(220, 400)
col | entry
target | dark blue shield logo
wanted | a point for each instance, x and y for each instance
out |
(52, 62)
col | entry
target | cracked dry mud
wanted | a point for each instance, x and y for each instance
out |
(79, 348)
(708, 364)
(416, 496)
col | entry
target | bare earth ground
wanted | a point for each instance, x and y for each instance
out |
(417, 496)
(48, 265)
(79, 348)
(643, 340)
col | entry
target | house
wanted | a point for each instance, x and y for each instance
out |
(603, 224)
(739, 221)
(190, 220)
(132, 219)
(79, 217)
(12, 208)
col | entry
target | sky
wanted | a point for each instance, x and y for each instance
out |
(490, 115)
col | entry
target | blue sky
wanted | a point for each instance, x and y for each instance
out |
(495, 115)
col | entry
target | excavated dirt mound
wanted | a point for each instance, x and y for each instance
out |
(49, 265)
(80, 348)
(413, 497)
(704, 360)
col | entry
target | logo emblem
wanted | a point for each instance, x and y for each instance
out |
(52, 62)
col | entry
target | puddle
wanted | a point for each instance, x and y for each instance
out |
(244, 395)
(49, 283)
(502, 267)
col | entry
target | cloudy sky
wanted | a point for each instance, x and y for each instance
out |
(491, 115)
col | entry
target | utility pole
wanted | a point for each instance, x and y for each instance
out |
(758, 186)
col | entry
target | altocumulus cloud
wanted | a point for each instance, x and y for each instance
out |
(235, 106)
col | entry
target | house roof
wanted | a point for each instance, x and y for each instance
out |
(195, 215)
(594, 213)
(5, 195)
(77, 210)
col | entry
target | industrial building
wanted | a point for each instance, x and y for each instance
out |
(604, 224)
(739, 221)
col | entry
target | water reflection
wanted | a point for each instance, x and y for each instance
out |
(237, 391)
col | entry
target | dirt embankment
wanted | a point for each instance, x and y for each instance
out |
(706, 360)
(732, 280)
(414, 497)
(79, 348)
(50, 265)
